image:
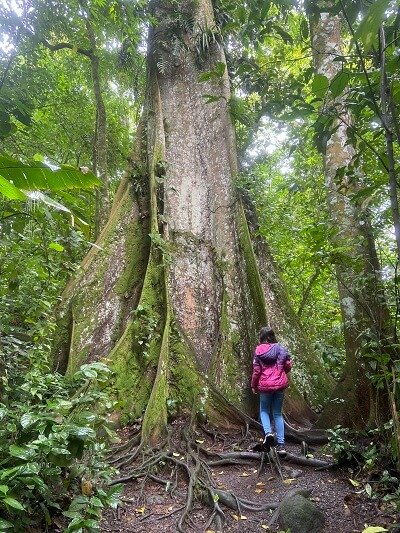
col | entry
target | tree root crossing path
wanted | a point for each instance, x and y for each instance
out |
(201, 480)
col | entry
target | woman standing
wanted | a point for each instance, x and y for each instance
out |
(270, 367)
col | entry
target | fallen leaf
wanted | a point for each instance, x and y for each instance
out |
(236, 517)
(264, 526)
(354, 482)
(259, 491)
(221, 472)
(245, 474)
(289, 480)
(175, 454)
(140, 510)
(260, 484)
(199, 441)
(242, 517)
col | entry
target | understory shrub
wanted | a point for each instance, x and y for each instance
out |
(53, 443)
(371, 458)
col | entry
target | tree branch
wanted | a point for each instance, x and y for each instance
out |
(69, 46)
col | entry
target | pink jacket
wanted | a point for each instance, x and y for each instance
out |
(271, 364)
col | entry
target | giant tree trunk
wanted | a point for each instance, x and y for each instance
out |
(364, 312)
(172, 295)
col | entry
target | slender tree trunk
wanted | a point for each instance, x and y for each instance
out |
(172, 296)
(100, 135)
(388, 120)
(364, 311)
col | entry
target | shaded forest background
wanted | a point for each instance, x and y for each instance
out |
(72, 90)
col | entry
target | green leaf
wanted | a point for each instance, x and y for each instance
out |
(4, 489)
(217, 73)
(220, 68)
(21, 452)
(320, 85)
(114, 495)
(4, 524)
(11, 502)
(339, 83)
(304, 30)
(83, 433)
(57, 247)
(91, 523)
(9, 190)
(21, 470)
(374, 529)
(38, 176)
(368, 29)
(60, 459)
(286, 37)
(28, 419)
(368, 489)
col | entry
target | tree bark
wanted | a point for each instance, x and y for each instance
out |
(172, 294)
(100, 167)
(364, 311)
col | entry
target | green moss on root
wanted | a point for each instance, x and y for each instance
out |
(253, 276)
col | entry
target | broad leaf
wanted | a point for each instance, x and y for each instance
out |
(9, 190)
(4, 524)
(21, 452)
(56, 246)
(37, 175)
(368, 29)
(320, 85)
(339, 83)
(11, 502)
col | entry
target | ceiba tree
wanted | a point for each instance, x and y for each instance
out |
(171, 295)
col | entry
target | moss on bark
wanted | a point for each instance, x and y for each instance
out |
(173, 296)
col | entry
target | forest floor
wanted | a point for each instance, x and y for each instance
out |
(147, 506)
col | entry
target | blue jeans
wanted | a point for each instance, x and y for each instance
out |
(272, 401)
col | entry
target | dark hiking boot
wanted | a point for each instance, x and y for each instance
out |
(280, 449)
(269, 440)
(265, 445)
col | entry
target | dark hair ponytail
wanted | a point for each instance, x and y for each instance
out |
(267, 335)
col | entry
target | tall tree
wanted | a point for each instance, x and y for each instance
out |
(172, 293)
(100, 136)
(364, 310)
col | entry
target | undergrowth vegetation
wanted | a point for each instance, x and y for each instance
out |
(54, 434)
(53, 443)
(370, 457)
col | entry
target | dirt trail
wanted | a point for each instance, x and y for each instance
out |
(149, 506)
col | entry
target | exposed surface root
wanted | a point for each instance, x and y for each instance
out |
(184, 465)
(310, 436)
(188, 460)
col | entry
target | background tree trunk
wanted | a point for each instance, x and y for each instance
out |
(100, 167)
(173, 296)
(364, 311)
